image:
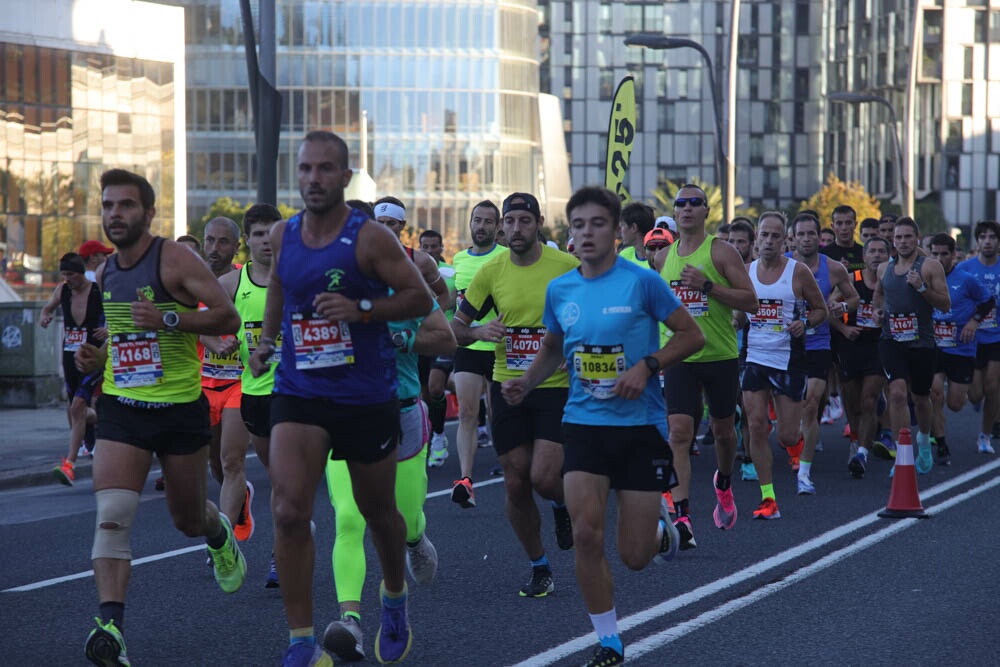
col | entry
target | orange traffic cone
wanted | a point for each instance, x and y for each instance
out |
(904, 499)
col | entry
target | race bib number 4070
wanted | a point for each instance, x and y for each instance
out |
(522, 345)
(320, 343)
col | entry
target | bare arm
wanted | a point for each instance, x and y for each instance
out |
(810, 291)
(273, 305)
(432, 276)
(741, 294)
(189, 279)
(841, 280)
(548, 359)
(936, 293)
(687, 339)
(216, 344)
(50, 306)
(466, 334)
(434, 337)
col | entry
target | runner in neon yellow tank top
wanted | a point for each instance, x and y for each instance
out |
(709, 278)
(152, 400)
(527, 437)
(637, 220)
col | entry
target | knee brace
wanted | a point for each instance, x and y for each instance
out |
(116, 509)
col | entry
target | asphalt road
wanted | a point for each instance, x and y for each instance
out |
(828, 583)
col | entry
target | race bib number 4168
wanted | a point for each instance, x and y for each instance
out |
(135, 360)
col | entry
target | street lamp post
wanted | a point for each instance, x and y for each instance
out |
(904, 187)
(658, 42)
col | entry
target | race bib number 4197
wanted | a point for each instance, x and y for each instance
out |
(694, 300)
(320, 343)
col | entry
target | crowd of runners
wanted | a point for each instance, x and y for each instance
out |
(332, 351)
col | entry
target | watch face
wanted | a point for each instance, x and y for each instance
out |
(171, 319)
(365, 305)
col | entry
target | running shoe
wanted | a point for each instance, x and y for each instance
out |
(564, 527)
(708, 438)
(852, 449)
(943, 454)
(343, 638)
(483, 438)
(422, 560)
(540, 584)
(670, 540)
(160, 483)
(794, 452)
(725, 506)
(748, 471)
(884, 448)
(983, 444)
(836, 407)
(462, 494)
(64, 472)
(819, 445)
(667, 507)
(806, 487)
(695, 450)
(105, 645)
(303, 655)
(683, 526)
(244, 523)
(228, 562)
(768, 509)
(394, 635)
(439, 451)
(848, 433)
(272, 575)
(857, 465)
(925, 459)
(827, 416)
(605, 656)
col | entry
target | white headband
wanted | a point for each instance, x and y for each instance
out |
(388, 210)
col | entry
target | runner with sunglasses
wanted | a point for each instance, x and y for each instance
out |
(709, 278)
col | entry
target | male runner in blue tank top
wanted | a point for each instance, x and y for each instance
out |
(335, 388)
(909, 288)
(819, 358)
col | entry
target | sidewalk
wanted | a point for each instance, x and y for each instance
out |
(32, 442)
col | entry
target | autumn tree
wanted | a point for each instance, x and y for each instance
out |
(227, 207)
(837, 193)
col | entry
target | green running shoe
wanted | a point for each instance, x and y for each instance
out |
(228, 563)
(105, 646)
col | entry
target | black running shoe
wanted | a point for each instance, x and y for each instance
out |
(605, 656)
(709, 437)
(564, 527)
(943, 455)
(540, 583)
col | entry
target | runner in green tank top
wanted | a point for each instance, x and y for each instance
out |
(637, 220)
(152, 401)
(709, 278)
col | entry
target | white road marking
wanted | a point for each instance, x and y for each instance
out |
(177, 552)
(584, 642)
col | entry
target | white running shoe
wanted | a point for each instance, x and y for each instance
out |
(422, 561)
(983, 444)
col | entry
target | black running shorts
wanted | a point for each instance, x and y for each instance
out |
(633, 458)
(163, 428)
(685, 382)
(538, 417)
(361, 433)
(479, 362)
(764, 378)
(956, 368)
(256, 414)
(914, 364)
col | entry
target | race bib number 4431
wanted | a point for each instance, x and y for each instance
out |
(522, 345)
(320, 343)
(135, 360)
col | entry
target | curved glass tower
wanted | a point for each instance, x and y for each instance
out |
(450, 90)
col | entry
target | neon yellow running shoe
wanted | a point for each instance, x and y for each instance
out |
(228, 562)
(105, 646)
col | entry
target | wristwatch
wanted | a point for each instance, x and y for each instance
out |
(170, 320)
(366, 306)
(403, 340)
(652, 363)
(707, 286)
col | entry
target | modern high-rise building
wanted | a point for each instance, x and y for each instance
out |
(83, 88)
(789, 134)
(450, 91)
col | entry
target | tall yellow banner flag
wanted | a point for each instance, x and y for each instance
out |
(621, 135)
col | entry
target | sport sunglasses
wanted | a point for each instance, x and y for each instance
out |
(681, 202)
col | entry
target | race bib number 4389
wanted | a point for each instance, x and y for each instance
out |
(320, 343)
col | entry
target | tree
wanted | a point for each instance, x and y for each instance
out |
(837, 193)
(665, 194)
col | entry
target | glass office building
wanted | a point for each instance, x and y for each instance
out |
(450, 90)
(79, 94)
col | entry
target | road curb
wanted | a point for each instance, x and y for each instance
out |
(41, 475)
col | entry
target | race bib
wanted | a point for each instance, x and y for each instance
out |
(220, 367)
(866, 316)
(251, 334)
(598, 367)
(990, 321)
(770, 315)
(523, 344)
(694, 300)
(320, 343)
(903, 328)
(945, 333)
(135, 360)
(75, 337)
